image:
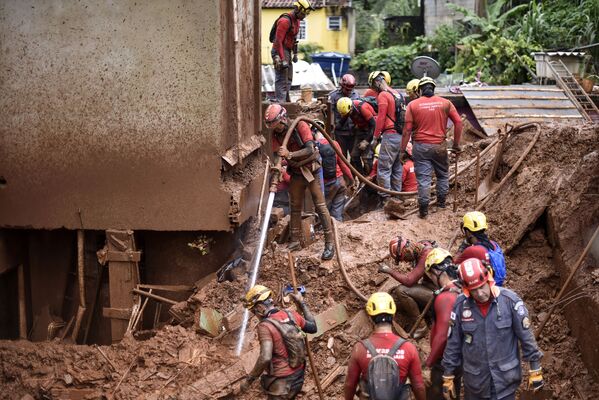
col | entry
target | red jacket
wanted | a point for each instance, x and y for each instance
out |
(443, 307)
(427, 116)
(284, 36)
(386, 103)
(406, 357)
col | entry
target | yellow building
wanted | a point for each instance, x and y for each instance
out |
(331, 25)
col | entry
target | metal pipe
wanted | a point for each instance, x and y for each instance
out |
(256, 263)
(563, 289)
(340, 262)
(81, 276)
(308, 349)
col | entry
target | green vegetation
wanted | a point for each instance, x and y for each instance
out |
(306, 49)
(498, 44)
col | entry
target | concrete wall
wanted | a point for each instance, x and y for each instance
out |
(436, 13)
(121, 111)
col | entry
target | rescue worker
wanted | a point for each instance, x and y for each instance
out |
(389, 168)
(343, 128)
(363, 118)
(284, 44)
(486, 326)
(280, 380)
(412, 89)
(381, 309)
(335, 186)
(411, 296)
(427, 118)
(304, 168)
(443, 273)
(408, 177)
(282, 194)
(477, 244)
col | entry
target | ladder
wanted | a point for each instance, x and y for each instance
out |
(570, 86)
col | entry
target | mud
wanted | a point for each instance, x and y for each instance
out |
(541, 217)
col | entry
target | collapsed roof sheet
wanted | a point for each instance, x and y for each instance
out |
(304, 75)
(494, 106)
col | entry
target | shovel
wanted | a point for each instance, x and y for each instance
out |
(489, 183)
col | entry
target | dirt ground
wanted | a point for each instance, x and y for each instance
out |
(177, 362)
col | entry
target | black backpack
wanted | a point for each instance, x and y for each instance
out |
(383, 373)
(329, 160)
(400, 111)
(293, 337)
(370, 100)
(273, 30)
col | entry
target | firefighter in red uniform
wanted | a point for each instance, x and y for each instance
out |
(281, 381)
(411, 296)
(408, 177)
(440, 269)
(381, 309)
(304, 167)
(363, 117)
(427, 117)
(284, 44)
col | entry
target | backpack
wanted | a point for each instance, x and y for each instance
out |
(400, 111)
(329, 160)
(383, 372)
(498, 263)
(370, 100)
(273, 30)
(293, 337)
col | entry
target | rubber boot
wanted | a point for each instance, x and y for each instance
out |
(441, 202)
(422, 210)
(294, 240)
(329, 251)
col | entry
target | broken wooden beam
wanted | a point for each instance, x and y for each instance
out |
(155, 297)
(329, 319)
(166, 288)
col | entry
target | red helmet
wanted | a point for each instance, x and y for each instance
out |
(273, 114)
(473, 274)
(409, 149)
(347, 81)
(396, 246)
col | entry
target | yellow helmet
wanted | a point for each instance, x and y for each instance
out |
(475, 221)
(412, 86)
(344, 105)
(303, 6)
(255, 295)
(425, 80)
(373, 75)
(436, 257)
(380, 303)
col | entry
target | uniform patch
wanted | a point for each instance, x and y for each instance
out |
(452, 316)
(468, 338)
(525, 323)
(466, 313)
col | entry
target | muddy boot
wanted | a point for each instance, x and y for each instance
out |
(329, 251)
(422, 210)
(421, 331)
(441, 202)
(294, 240)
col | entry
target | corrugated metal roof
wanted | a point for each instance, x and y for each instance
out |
(304, 75)
(288, 3)
(494, 106)
(561, 53)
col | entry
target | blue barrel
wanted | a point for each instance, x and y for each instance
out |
(330, 60)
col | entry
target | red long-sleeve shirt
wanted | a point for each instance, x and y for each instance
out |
(364, 114)
(443, 307)
(427, 116)
(408, 178)
(412, 277)
(406, 357)
(284, 36)
(305, 134)
(386, 103)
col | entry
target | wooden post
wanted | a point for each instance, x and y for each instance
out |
(22, 304)
(81, 276)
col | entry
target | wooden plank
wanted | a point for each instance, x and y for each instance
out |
(329, 319)
(167, 288)
(116, 313)
(124, 256)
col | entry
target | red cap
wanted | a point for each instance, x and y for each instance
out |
(347, 81)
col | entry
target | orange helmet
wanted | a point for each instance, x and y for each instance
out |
(473, 274)
(347, 81)
(273, 114)
(396, 247)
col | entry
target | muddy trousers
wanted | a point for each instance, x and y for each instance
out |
(435, 392)
(428, 158)
(283, 78)
(297, 188)
(390, 169)
(285, 388)
(334, 193)
(411, 300)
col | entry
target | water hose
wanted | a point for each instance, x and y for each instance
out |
(341, 266)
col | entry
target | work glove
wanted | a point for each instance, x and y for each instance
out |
(277, 62)
(535, 379)
(284, 64)
(456, 148)
(283, 152)
(363, 145)
(295, 58)
(448, 388)
(247, 382)
(297, 297)
(384, 269)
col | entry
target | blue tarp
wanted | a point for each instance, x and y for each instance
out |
(330, 61)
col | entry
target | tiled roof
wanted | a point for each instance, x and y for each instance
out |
(288, 3)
